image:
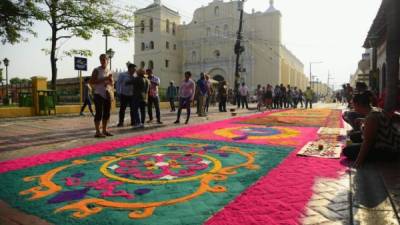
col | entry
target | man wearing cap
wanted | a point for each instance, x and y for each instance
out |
(171, 95)
(125, 93)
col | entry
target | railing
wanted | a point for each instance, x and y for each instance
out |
(15, 91)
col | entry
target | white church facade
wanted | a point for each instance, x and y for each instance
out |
(206, 44)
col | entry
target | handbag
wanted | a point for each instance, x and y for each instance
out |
(110, 93)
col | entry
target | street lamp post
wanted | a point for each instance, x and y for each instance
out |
(106, 33)
(6, 63)
(110, 53)
(311, 78)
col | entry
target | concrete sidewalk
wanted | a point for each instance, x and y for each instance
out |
(33, 135)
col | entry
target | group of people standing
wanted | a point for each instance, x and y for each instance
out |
(281, 96)
(137, 89)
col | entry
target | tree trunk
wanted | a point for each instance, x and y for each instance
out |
(53, 61)
(53, 58)
(392, 53)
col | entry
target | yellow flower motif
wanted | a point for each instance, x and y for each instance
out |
(151, 165)
(174, 164)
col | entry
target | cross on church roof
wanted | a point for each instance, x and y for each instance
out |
(271, 6)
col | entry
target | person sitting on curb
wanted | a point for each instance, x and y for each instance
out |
(351, 116)
(381, 134)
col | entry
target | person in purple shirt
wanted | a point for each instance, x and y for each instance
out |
(186, 96)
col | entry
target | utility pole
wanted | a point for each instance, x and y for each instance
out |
(329, 78)
(311, 76)
(238, 46)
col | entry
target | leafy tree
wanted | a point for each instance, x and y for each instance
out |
(80, 18)
(1, 75)
(15, 18)
(15, 80)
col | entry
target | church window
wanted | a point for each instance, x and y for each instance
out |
(167, 45)
(151, 24)
(216, 11)
(217, 32)
(208, 31)
(173, 28)
(217, 53)
(226, 30)
(142, 26)
(151, 64)
(194, 56)
(167, 26)
(151, 44)
(166, 63)
(174, 46)
(143, 46)
(142, 64)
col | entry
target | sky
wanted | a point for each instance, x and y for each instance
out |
(327, 31)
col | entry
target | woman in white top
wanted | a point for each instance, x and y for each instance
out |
(102, 83)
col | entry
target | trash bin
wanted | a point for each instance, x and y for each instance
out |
(47, 102)
(25, 99)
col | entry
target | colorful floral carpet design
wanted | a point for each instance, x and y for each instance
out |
(238, 174)
(171, 181)
(299, 117)
(257, 134)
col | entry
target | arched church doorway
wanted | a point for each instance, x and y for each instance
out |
(218, 78)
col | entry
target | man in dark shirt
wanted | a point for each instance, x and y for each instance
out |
(141, 87)
(86, 97)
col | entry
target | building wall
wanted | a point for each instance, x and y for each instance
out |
(292, 69)
(206, 44)
(161, 16)
(208, 41)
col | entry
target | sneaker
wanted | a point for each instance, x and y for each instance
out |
(120, 125)
(159, 122)
(187, 121)
(149, 121)
(99, 135)
(106, 133)
(177, 122)
(81, 114)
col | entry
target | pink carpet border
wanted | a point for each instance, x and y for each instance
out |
(281, 196)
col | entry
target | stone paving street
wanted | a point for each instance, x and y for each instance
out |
(370, 195)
